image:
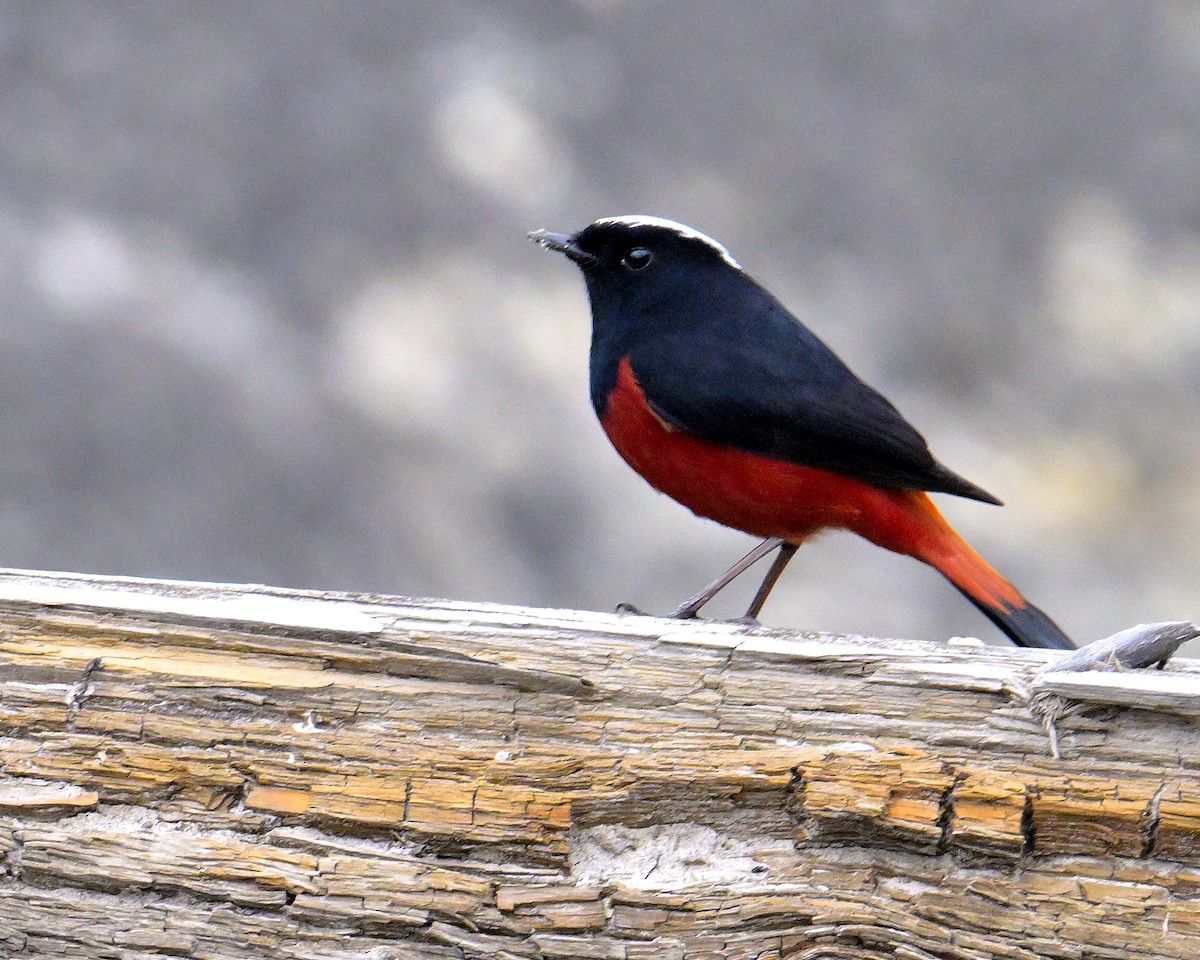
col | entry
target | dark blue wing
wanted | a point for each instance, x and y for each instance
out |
(764, 383)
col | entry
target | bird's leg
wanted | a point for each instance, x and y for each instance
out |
(690, 607)
(782, 558)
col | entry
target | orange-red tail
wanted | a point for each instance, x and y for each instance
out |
(996, 598)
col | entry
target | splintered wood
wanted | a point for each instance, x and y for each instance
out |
(262, 773)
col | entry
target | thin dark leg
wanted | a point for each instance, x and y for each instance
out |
(785, 554)
(689, 608)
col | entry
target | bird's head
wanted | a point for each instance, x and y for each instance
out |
(634, 265)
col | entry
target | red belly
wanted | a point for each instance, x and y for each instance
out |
(757, 494)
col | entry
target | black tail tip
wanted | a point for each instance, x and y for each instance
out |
(1027, 626)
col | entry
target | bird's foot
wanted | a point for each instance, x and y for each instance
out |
(686, 611)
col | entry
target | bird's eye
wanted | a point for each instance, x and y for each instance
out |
(637, 259)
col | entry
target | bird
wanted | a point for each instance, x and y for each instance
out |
(720, 398)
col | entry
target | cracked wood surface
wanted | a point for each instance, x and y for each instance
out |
(267, 773)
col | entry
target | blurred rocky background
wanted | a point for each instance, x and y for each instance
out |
(268, 313)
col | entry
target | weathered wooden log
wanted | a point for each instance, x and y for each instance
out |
(250, 772)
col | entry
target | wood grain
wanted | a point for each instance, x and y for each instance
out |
(265, 773)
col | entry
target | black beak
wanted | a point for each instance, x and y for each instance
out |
(561, 243)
